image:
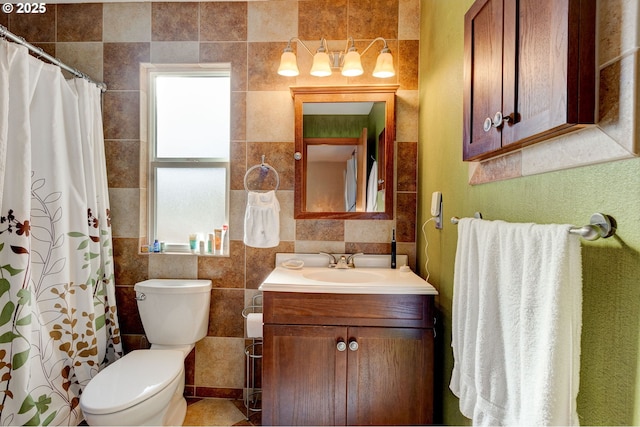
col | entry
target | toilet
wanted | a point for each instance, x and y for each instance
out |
(145, 387)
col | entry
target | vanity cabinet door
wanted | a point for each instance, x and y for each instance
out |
(303, 375)
(390, 376)
(533, 63)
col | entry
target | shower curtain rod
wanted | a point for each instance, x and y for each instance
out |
(4, 32)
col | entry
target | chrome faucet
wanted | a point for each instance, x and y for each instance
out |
(342, 262)
(345, 261)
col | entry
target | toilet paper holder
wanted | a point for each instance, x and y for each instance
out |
(253, 352)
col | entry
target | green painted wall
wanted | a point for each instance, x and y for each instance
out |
(611, 268)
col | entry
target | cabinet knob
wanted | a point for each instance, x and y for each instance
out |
(341, 346)
(488, 123)
(499, 120)
(353, 345)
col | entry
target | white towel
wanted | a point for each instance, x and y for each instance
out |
(350, 185)
(262, 220)
(517, 320)
(372, 189)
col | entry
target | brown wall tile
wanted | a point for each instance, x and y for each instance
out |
(174, 21)
(223, 21)
(407, 166)
(264, 60)
(128, 315)
(121, 111)
(79, 22)
(122, 64)
(224, 272)
(322, 18)
(130, 266)
(123, 163)
(34, 27)
(369, 19)
(406, 217)
(225, 318)
(408, 64)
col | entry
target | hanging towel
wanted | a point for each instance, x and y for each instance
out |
(372, 188)
(262, 220)
(350, 185)
(517, 319)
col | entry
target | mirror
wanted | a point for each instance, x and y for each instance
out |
(344, 142)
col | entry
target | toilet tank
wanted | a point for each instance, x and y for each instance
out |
(174, 311)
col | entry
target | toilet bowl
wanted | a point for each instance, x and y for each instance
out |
(145, 387)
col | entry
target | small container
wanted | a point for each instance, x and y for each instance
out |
(202, 247)
(210, 244)
(156, 246)
(218, 239)
(193, 242)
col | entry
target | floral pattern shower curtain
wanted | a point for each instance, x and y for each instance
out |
(58, 324)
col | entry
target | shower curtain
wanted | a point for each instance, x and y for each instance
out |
(58, 324)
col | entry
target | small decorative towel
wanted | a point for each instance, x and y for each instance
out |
(262, 220)
(517, 319)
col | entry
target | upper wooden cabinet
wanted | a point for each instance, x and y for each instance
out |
(529, 72)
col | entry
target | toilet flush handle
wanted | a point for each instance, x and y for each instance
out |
(141, 297)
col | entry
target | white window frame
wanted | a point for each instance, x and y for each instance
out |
(198, 70)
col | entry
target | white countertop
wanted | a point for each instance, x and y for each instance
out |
(383, 281)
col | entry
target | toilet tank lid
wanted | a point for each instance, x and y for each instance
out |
(183, 286)
(130, 380)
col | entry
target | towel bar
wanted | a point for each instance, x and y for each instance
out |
(600, 225)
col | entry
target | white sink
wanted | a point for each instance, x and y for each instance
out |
(316, 277)
(343, 275)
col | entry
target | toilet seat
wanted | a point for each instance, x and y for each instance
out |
(134, 378)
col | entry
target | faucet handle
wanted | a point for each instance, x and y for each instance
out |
(333, 260)
(351, 257)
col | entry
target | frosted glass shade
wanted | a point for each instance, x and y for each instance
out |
(352, 66)
(321, 65)
(384, 66)
(288, 65)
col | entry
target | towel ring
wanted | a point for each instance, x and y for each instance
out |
(263, 166)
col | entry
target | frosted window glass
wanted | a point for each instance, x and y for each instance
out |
(192, 116)
(189, 200)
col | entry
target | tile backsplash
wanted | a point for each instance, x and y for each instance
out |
(109, 42)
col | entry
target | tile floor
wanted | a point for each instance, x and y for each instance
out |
(219, 412)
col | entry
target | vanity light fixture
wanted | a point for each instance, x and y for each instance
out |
(349, 60)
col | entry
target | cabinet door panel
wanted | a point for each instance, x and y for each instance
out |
(304, 376)
(541, 64)
(483, 75)
(390, 376)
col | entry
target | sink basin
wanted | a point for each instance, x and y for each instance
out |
(343, 276)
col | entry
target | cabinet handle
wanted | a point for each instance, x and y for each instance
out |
(341, 346)
(499, 120)
(353, 345)
(488, 124)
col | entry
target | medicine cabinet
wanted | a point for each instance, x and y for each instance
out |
(344, 151)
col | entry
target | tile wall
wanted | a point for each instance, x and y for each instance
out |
(109, 42)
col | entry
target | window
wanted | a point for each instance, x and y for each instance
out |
(189, 155)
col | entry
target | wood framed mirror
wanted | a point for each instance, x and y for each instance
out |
(344, 145)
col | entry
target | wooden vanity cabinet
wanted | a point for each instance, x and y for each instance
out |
(342, 359)
(531, 61)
